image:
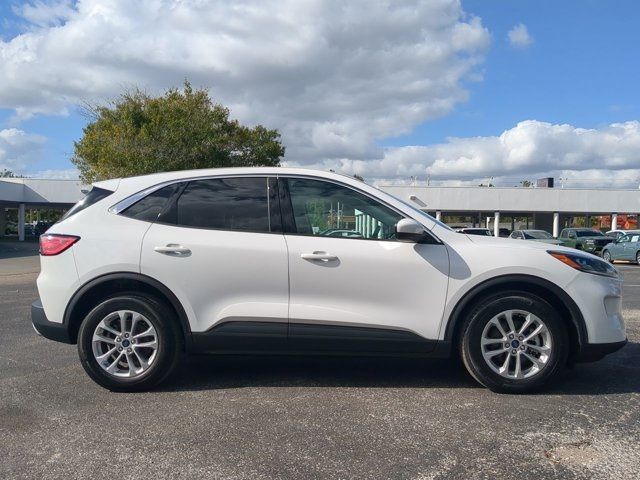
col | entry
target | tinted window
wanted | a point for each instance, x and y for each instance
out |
(225, 203)
(326, 209)
(624, 239)
(150, 206)
(589, 233)
(536, 234)
(94, 196)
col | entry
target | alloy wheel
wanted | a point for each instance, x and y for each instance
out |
(125, 344)
(516, 344)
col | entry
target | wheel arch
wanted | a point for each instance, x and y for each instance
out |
(104, 286)
(545, 289)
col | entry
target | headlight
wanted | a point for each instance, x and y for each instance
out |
(585, 264)
(590, 242)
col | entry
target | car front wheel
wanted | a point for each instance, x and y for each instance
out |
(514, 342)
(606, 256)
(129, 343)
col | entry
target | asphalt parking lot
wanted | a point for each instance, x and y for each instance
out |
(247, 418)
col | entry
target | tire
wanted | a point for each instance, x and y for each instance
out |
(638, 257)
(480, 324)
(143, 368)
(606, 256)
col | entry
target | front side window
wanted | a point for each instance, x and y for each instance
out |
(624, 239)
(323, 208)
(225, 204)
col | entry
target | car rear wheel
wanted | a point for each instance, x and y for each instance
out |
(607, 257)
(129, 343)
(514, 343)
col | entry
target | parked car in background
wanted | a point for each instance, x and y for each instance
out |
(504, 232)
(627, 247)
(587, 239)
(41, 227)
(535, 235)
(341, 233)
(485, 232)
(11, 228)
(616, 233)
(29, 229)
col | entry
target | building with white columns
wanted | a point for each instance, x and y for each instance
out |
(547, 208)
(24, 193)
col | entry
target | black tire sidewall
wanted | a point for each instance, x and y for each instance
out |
(485, 311)
(168, 342)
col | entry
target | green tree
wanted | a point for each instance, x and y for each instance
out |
(182, 129)
(9, 174)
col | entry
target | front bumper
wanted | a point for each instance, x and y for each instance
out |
(51, 330)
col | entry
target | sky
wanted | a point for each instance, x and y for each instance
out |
(439, 90)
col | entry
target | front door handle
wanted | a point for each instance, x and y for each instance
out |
(319, 256)
(174, 249)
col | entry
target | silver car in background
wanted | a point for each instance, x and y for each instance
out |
(626, 247)
(535, 235)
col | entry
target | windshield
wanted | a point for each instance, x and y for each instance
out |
(536, 234)
(589, 233)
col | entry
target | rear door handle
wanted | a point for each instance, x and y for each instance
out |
(174, 249)
(319, 256)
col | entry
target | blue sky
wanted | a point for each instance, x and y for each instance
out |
(580, 69)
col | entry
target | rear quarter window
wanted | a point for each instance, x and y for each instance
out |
(149, 208)
(94, 196)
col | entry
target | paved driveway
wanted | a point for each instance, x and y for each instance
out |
(250, 418)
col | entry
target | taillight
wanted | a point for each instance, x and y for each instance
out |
(53, 244)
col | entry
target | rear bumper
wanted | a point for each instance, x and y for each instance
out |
(51, 330)
(592, 352)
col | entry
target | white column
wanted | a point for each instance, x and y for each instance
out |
(487, 222)
(614, 221)
(496, 224)
(21, 222)
(438, 215)
(556, 224)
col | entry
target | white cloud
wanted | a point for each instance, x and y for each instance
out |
(63, 174)
(335, 77)
(608, 156)
(19, 149)
(519, 36)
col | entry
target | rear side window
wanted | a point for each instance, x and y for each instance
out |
(225, 204)
(94, 196)
(149, 208)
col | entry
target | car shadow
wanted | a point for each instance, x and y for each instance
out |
(617, 373)
(239, 371)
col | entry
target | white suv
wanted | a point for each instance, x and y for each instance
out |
(248, 260)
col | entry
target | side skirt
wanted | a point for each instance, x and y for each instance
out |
(281, 338)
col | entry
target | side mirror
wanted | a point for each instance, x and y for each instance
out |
(408, 230)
